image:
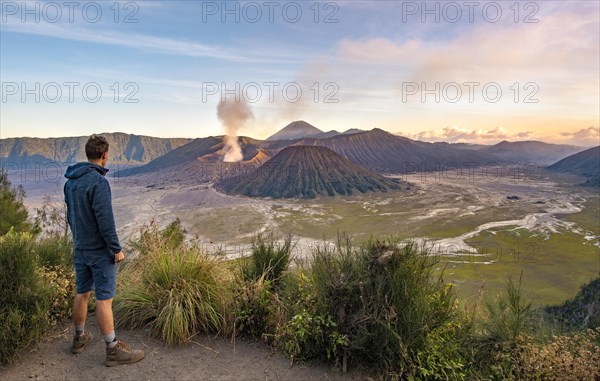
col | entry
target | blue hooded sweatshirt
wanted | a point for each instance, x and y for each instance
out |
(89, 208)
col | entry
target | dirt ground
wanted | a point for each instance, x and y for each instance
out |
(204, 359)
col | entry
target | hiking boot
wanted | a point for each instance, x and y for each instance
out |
(79, 342)
(122, 354)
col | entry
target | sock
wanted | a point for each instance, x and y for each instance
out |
(110, 339)
(79, 329)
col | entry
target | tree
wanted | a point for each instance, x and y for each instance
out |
(51, 218)
(13, 214)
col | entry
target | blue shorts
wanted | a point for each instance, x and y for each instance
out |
(96, 269)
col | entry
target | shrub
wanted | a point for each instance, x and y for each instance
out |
(256, 306)
(445, 354)
(14, 213)
(174, 291)
(55, 251)
(379, 305)
(509, 315)
(61, 282)
(269, 258)
(305, 332)
(24, 296)
(308, 335)
(574, 356)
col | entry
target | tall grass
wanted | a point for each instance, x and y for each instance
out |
(173, 290)
(269, 258)
(510, 314)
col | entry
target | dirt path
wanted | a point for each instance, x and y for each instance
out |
(206, 359)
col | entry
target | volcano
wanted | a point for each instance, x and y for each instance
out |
(295, 130)
(307, 172)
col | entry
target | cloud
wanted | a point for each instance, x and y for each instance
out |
(559, 54)
(456, 134)
(584, 133)
(586, 136)
(162, 45)
(565, 37)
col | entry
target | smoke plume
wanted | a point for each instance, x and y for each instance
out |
(233, 115)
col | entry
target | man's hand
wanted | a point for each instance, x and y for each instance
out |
(119, 257)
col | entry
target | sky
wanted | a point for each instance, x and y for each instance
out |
(478, 72)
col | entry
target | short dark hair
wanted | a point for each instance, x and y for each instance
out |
(95, 147)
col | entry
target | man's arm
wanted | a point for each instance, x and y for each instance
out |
(67, 203)
(102, 206)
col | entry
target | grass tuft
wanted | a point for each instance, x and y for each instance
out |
(172, 290)
(270, 258)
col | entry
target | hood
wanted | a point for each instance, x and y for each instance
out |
(80, 169)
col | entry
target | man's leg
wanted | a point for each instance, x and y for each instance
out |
(106, 322)
(83, 283)
(80, 310)
(105, 279)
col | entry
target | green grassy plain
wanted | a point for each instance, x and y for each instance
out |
(554, 265)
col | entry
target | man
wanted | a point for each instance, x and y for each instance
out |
(97, 250)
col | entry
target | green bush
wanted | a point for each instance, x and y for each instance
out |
(446, 354)
(55, 251)
(256, 307)
(173, 290)
(305, 332)
(376, 305)
(24, 297)
(269, 258)
(509, 315)
(385, 300)
(14, 214)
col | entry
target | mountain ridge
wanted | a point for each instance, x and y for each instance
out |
(585, 163)
(536, 151)
(124, 149)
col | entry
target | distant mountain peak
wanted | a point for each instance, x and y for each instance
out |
(298, 129)
(379, 131)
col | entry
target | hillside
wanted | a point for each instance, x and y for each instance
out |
(201, 154)
(295, 130)
(581, 311)
(586, 163)
(383, 152)
(307, 172)
(124, 149)
(532, 151)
